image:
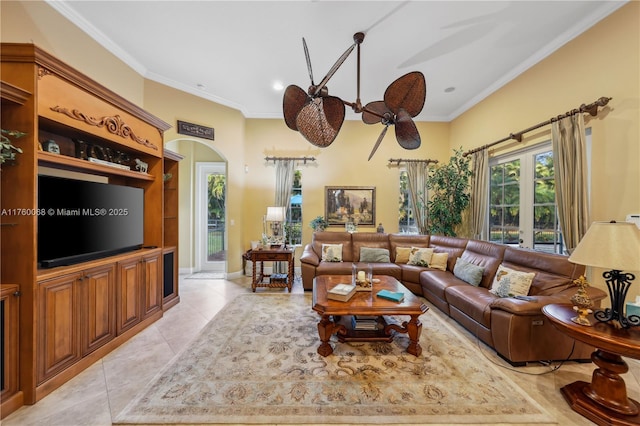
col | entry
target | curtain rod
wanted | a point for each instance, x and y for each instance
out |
(592, 109)
(305, 159)
(407, 160)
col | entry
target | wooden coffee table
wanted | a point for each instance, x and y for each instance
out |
(335, 316)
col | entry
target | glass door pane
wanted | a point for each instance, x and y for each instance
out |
(216, 185)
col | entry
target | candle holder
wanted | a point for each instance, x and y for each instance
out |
(582, 303)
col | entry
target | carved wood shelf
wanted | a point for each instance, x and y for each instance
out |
(75, 164)
(12, 93)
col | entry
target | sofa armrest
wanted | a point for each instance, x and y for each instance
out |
(525, 307)
(533, 307)
(309, 256)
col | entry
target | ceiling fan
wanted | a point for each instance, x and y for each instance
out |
(319, 116)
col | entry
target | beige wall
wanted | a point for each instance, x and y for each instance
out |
(228, 146)
(601, 62)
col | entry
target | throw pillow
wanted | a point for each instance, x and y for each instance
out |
(509, 282)
(468, 272)
(420, 256)
(402, 254)
(439, 261)
(332, 252)
(374, 255)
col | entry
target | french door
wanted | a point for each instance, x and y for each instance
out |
(522, 202)
(210, 214)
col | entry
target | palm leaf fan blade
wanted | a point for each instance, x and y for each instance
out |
(374, 112)
(406, 131)
(408, 92)
(378, 142)
(292, 103)
(320, 120)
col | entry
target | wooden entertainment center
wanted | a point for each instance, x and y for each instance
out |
(58, 321)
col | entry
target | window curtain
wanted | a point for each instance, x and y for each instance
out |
(570, 164)
(479, 193)
(417, 173)
(284, 181)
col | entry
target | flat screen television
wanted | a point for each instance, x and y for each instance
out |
(81, 220)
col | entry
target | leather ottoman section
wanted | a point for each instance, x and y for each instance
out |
(478, 330)
(436, 301)
(411, 273)
(525, 338)
(436, 282)
(414, 287)
(475, 302)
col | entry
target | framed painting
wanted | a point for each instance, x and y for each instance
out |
(344, 204)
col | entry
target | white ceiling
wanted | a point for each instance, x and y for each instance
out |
(232, 52)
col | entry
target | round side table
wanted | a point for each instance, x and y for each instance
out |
(604, 400)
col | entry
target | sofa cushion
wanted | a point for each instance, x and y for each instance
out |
(332, 252)
(509, 282)
(439, 261)
(420, 256)
(436, 282)
(468, 272)
(374, 255)
(452, 245)
(406, 240)
(475, 302)
(402, 254)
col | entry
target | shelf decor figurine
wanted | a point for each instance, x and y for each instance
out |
(613, 246)
(582, 303)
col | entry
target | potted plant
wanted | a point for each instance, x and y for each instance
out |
(7, 150)
(449, 194)
(319, 224)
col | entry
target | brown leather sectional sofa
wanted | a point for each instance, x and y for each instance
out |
(515, 328)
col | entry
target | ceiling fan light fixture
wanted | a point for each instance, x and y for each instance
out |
(319, 117)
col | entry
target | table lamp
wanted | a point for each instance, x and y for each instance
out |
(275, 216)
(614, 246)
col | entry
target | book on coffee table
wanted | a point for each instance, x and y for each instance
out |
(396, 296)
(341, 292)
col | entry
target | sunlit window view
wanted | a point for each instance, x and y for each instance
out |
(522, 205)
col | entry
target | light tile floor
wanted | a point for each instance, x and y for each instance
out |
(102, 391)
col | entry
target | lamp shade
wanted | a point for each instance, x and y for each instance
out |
(609, 245)
(275, 214)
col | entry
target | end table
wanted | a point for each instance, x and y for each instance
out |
(279, 254)
(604, 400)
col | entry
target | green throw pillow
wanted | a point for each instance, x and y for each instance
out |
(374, 255)
(468, 272)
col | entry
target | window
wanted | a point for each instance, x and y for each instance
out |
(522, 204)
(293, 226)
(406, 221)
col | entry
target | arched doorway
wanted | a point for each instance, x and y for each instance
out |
(203, 224)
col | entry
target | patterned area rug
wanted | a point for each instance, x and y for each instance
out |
(256, 362)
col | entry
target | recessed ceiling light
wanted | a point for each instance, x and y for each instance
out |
(449, 89)
(277, 85)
